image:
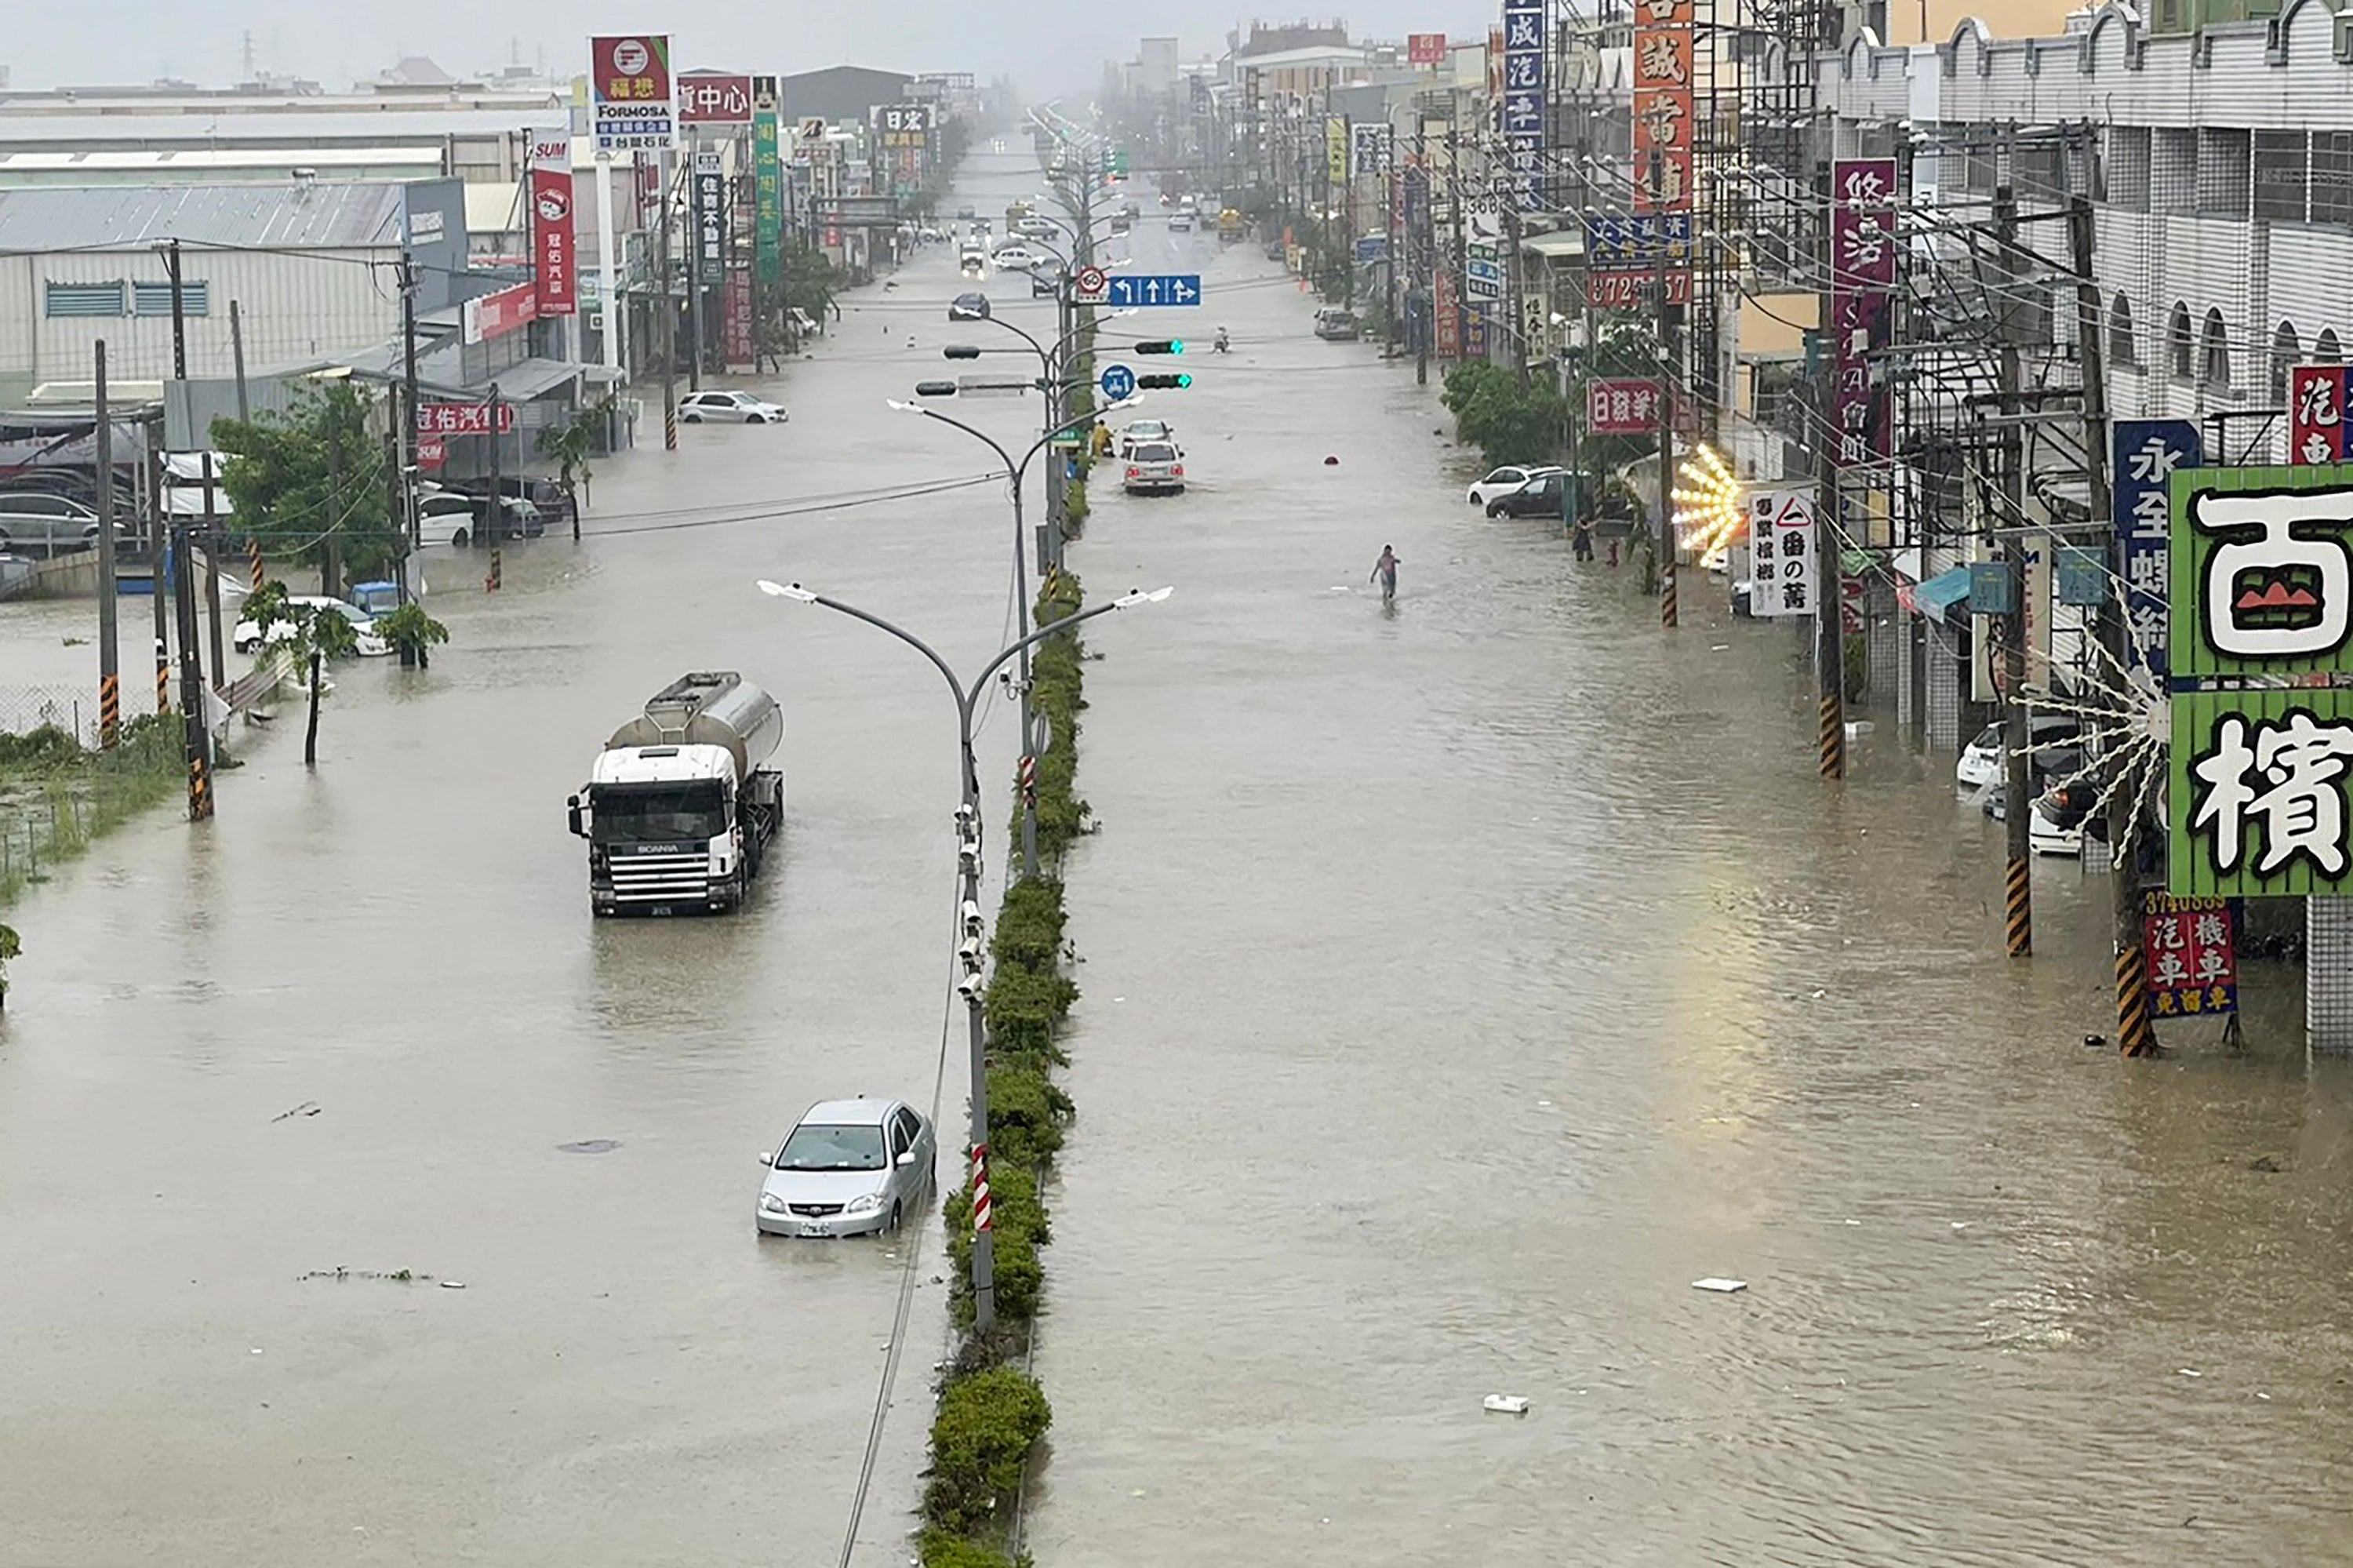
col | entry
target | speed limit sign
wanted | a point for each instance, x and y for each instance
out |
(1090, 286)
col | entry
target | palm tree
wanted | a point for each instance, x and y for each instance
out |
(571, 445)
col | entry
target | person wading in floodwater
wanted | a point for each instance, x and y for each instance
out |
(1385, 574)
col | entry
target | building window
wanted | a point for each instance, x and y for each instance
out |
(2042, 173)
(2332, 177)
(2127, 167)
(61, 299)
(2214, 355)
(155, 299)
(2285, 352)
(2224, 158)
(2324, 350)
(2281, 178)
(2177, 347)
(2122, 350)
(2173, 170)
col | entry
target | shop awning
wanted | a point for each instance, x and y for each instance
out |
(1938, 595)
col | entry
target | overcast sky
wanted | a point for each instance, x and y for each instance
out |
(1047, 45)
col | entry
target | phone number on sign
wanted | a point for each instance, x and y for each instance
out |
(1606, 290)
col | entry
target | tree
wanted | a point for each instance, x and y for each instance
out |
(319, 634)
(314, 473)
(571, 445)
(412, 632)
(9, 948)
(1508, 422)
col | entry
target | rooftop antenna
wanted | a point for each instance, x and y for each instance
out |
(245, 52)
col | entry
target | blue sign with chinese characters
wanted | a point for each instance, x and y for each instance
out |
(1118, 382)
(1650, 239)
(2146, 452)
(1127, 293)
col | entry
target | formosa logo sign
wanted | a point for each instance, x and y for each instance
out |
(632, 99)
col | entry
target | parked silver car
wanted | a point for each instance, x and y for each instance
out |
(40, 525)
(849, 1168)
(729, 407)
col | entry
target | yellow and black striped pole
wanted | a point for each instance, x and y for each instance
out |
(2135, 1034)
(253, 561)
(1667, 584)
(200, 790)
(163, 675)
(2017, 909)
(109, 711)
(1833, 737)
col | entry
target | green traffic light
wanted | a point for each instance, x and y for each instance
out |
(1184, 381)
(1176, 345)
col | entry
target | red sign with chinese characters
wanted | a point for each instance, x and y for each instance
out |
(1662, 105)
(1618, 408)
(629, 103)
(2191, 945)
(495, 315)
(1425, 48)
(1449, 317)
(714, 99)
(1608, 289)
(553, 235)
(462, 418)
(2316, 413)
(1862, 295)
(736, 340)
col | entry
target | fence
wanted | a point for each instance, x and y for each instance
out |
(71, 709)
(56, 796)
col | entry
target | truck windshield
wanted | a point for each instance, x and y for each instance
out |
(659, 813)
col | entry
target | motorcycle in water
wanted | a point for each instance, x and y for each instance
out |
(1222, 345)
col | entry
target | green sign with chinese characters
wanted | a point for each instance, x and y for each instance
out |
(2262, 571)
(2257, 792)
(768, 175)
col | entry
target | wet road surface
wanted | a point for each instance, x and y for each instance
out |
(1461, 984)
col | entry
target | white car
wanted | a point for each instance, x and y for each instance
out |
(1507, 480)
(1154, 468)
(247, 637)
(1180, 223)
(1016, 258)
(730, 408)
(1143, 430)
(1980, 766)
(849, 1168)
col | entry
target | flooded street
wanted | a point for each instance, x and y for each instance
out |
(1460, 984)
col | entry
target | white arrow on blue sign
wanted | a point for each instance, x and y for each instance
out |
(1118, 382)
(1161, 288)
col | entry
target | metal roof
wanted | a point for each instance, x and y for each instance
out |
(392, 125)
(331, 216)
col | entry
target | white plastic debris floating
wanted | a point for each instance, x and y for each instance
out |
(1505, 1404)
(1724, 1287)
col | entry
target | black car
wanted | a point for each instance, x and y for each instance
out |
(969, 308)
(554, 506)
(1545, 496)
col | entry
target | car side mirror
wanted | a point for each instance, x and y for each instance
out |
(767, 1157)
(907, 1157)
(571, 815)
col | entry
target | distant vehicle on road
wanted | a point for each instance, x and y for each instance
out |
(1274, 249)
(1045, 279)
(729, 407)
(1231, 227)
(1502, 481)
(678, 810)
(847, 1168)
(547, 494)
(969, 308)
(1180, 223)
(1016, 258)
(247, 637)
(1142, 431)
(1154, 467)
(1338, 326)
(1982, 760)
(1545, 495)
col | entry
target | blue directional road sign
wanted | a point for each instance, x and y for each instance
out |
(1118, 382)
(1161, 288)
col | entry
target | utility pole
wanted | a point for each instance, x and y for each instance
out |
(405, 411)
(1418, 250)
(236, 358)
(1830, 631)
(695, 259)
(1515, 304)
(1668, 375)
(2135, 1036)
(212, 522)
(2018, 772)
(669, 309)
(110, 669)
(494, 509)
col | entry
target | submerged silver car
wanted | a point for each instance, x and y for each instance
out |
(849, 1168)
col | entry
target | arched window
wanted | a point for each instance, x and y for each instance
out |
(2178, 349)
(2324, 350)
(2122, 350)
(2285, 352)
(2214, 355)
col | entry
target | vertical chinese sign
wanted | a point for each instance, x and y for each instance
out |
(1449, 314)
(2316, 413)
(1335, 150)
(1662, 105)
(2146, 451)
(1522, 111)
(632, 105)
(2261, 642)
(710, 218)
(768, 218)
(1862, 308)
(2191, 945)
(1781, 552)
(553, 235)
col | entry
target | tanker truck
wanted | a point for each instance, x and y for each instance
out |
(678, 810)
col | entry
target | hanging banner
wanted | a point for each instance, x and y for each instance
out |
(1335, 150)
(1862, 295)
(714, 98)
(631, 102)
(1618, 408)
(1523, 100)
(1449, 317)
(710, 216)
(738, 340)
(2191, 947)
(1368, 150)
(768, 214)
(1662, 105)
(1781, 552)
(2316, 413)
(1425, 48)
(553, 238)
(2146, 452)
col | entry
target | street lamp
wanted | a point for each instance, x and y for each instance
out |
(968, 826)
(1015, 473)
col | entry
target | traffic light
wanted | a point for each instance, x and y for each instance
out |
(960, 350)
(1162, 383)
(936, 389)
(1164, 345)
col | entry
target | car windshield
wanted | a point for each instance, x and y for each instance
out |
(659, 813)
(1155, 452)
(831, 1149)
(1146, 430)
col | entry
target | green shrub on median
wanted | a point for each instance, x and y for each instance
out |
(980, 1441)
